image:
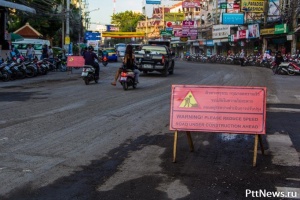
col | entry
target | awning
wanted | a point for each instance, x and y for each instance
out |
(16, 6)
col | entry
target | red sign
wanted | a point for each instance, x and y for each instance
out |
(75, 61)
(243, 34)
(228, 109)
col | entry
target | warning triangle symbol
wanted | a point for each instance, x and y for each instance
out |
(189, 101)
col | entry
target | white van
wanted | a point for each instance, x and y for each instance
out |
(36, 43)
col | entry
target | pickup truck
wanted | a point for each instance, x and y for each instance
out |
(155, 58)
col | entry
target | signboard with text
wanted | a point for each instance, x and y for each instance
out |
(233, 18)
(153, 1)
(229, 109)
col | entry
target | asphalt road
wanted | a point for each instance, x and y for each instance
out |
(62, 139)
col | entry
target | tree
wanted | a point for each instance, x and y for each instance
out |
(47, 20)
(127, 21)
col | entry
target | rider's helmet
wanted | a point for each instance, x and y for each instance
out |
(91, 48)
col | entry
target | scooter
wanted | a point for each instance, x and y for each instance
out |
(289, 68)
(88, 74)
(104, 61)
(127, 79)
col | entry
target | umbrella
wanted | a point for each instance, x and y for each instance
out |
(16, 37)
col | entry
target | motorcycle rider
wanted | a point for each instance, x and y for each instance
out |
(89, 57)
(278, 60)
(128, 63)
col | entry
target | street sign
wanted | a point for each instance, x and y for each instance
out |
(228, 109)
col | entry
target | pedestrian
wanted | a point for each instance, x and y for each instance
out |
(44, 52)
(50, 53)
(278, 60)
(89, 59)
(242, 57)
(128, 63)
(30, 52)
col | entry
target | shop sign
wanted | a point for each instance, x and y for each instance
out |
(153, 1)
(233, 18)
(202, 42)
(289, 37)
(267, 31)
(255, 6)
(220, 31)
(196, 44)
(223, 5)
(281, 28)
(174, 17)
(210, 43)
(243, 34)
(191, 4)
(189, 24)
(183, 39)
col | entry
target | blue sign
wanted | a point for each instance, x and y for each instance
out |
(210, 43)
(90, 35)
(153, 1)
(233, 18)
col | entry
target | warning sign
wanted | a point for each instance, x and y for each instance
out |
(75, 61)
(227, 109)
(189, 101)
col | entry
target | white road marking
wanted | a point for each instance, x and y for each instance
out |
(272, 99)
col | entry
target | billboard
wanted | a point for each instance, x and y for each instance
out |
(153, 1)
(233, 18)
(220, 31)
(253, 6)
(174, 17)
(273, 12)
(253, 31)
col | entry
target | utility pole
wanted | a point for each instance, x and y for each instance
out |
(67, 37)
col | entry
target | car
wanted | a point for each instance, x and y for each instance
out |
(155, 58)
(112, 54)
(121, 51)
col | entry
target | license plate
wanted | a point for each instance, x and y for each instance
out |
(123, 78)
(146, 66)
(84, 73)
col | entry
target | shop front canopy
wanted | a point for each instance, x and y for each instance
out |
(16, 6)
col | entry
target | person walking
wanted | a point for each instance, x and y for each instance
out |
(44, 52)
(242, 57)
(30, 52)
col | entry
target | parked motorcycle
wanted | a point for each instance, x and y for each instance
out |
(127, 79)
(88, 74)
(288, 68)
(5, 72)
(104, 60)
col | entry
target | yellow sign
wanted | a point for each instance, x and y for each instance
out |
(253, 6)
(67, 40)
(267, 31)
(189, 101)
(174, 17)
(123, 34)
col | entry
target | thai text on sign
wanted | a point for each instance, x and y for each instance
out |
(228, 109)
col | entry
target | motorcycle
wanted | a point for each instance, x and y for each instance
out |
(5, 73)
(127, 79)
(104, 60)
(88, 74)
(288, 68)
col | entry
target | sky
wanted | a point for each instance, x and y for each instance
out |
(103, 15)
